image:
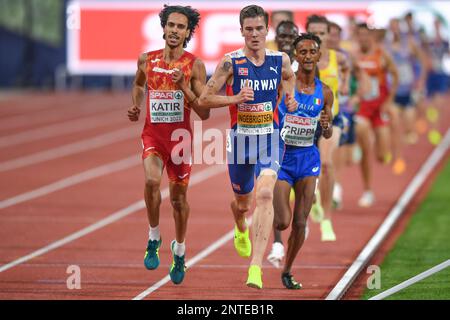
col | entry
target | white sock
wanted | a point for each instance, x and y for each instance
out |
(179, 248)
(154, 234)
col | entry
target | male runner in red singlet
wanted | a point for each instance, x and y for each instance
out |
(175, 79)
(377, 63)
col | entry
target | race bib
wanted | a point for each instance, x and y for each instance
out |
(166, 106)
(255, 118)
(374, 89)
(299, 131)
(406, 74)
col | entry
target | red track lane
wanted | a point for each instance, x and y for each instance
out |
(111, 258)
(58, 108)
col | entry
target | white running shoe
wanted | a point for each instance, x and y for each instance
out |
(337, 196)
(276, 254)
(367, 199)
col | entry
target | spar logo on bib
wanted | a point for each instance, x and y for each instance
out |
(300, 120)
(299, 131)
(169, 95)
(166, 106)
(255, 118)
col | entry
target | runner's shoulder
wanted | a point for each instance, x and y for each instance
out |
(271, 52)
(326, 90)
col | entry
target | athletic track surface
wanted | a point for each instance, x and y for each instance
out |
(71, 193)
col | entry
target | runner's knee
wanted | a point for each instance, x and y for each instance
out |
(280, 223)
(178, 203)
(264, 196)
(241, 206)
(152, 183)
(327, 167)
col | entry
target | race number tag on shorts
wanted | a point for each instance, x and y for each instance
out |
(255, 118)
(374, 89)
(299, 131)
(166, 106)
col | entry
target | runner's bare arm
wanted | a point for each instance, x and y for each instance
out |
(392, 69)
(326, 115)
(362, 78)
(138, 91)
(193, 89)
(209, 97)
(198, 85)
(420, 85)
(344, 70)
(288, 83)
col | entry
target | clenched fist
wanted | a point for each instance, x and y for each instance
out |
(133, 113)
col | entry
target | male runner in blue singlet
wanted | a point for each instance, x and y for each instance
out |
(301, 162)
(253, 75)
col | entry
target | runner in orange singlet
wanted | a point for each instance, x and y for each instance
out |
(173, 80)
(374, 105)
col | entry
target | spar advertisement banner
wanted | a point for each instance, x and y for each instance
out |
(107, 37)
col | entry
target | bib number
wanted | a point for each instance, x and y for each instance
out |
(166, 106)
(374, 89)
(299, 131)
(255, 118)
(406, 73)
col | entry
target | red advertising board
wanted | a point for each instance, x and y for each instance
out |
(107, 37)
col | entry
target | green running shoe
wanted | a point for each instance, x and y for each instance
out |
(178, 269)
(151, 258)
(254, 279)
(289, 281)
(326, 228)
(242, 242)
(317, 212)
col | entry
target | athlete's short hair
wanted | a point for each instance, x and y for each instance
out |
(363, 25)
(286, 23)
(253, 11)
(191, 14)
(335, 25)
(289, 13)
(317, 19)
(307, 36)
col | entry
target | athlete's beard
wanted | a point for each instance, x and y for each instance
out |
(174, 46)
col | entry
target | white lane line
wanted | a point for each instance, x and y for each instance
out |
(412, 280)
(84, 105)
(202, 254)
(133, 208)
(85, 176)
(120, 265)
(210, 249)
(370, 248)
(72, 180)
(57, 129)
(69, 149)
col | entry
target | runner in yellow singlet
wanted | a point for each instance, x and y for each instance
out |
(334, 72)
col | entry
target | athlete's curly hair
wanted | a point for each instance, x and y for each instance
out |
(307, 36)
(191, 14)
